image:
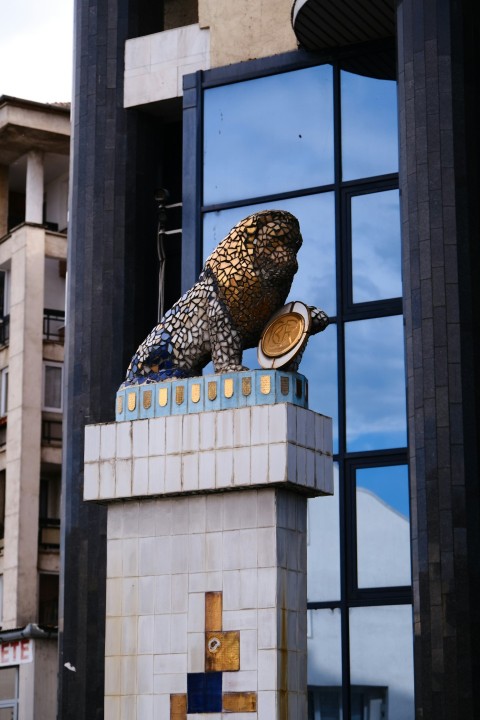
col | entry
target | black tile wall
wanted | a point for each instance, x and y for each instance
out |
(439, 187)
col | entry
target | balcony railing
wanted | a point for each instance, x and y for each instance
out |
(53, 325)
(4, 330)
(52, 432)
(49, 534)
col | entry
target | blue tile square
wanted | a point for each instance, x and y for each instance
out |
(120, 402)
(265, 380)
(147, 400)
(196, 395)
(179, 399)
(229, 386)
(131, 403)
(212, 390)
(163, 399)
(204, 692)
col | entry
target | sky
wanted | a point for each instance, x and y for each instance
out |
(36, 39)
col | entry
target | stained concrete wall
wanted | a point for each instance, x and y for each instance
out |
(246, 30)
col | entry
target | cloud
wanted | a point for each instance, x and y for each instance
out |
(36, 51)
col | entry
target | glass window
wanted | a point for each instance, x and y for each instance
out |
(376, 253)
(52, 386)
(8, 693)
(383, 527)
(375, 384)
(324, 664)
(381, 662)
(323, 568)
(8, 683)
(268, 135)
(369, 126)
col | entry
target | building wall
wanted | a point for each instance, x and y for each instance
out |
(246, 30)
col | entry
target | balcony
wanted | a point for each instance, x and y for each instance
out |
(49, 534)
(54, 325)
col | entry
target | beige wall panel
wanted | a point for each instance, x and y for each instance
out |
(247, 30)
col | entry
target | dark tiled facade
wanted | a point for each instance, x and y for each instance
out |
(109, 275)
(440, 260)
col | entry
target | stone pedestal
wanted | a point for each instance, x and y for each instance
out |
(206, 572)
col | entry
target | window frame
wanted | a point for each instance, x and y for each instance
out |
(193, 211)
(47, 408)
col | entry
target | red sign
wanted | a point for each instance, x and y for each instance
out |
(15, 652)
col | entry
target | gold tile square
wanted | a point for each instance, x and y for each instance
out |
(222, 651)
(213, 611)
(178, 707)
(240, 702)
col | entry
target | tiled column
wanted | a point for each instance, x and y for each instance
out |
(34, 188)
(3, 200)
(206, 569)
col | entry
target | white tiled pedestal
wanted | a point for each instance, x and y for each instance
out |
(202, 509)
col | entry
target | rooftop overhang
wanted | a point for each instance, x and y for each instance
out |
(360, 32)
(26, 125)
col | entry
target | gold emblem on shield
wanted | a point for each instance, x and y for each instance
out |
(132, 401)
(195, 392)
(147, 399)
(283, 334)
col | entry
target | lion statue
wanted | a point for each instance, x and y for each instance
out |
(243, 283)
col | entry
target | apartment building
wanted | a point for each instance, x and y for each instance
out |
(34, 159)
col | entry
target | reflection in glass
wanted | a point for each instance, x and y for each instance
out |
(375, 384)
(268, 135)
(323, 546)
(369, 126)
(376, 254)
(381, 662)
(324, 664)
(383, 528)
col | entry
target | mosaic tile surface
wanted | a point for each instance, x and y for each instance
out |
(243, 283)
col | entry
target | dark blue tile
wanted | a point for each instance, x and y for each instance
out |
(204, 692)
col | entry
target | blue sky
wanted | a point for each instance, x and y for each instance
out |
(36, 40)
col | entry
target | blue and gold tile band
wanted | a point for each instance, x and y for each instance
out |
(211, 392)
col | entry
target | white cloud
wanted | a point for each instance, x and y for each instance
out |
(36, 41)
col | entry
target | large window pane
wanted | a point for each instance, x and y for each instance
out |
(268, 135)
(381, 662)
(376, 253)
(383, 527)
(324, 665)
(369, 126)
(323, 568)
(375, 384)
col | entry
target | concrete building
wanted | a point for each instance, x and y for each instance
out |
(360, 118)
(34, 158)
